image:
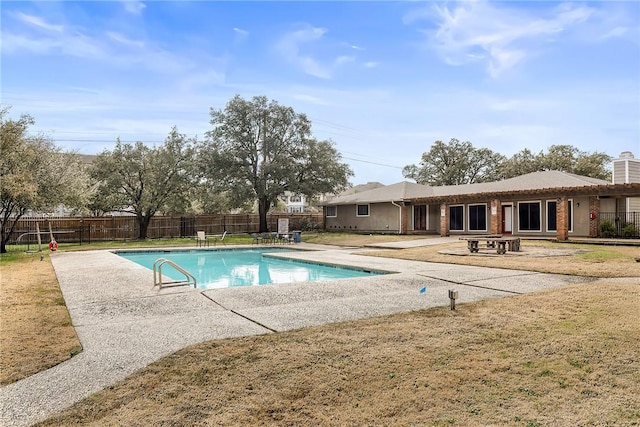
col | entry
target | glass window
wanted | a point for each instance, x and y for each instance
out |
(529, 216)
(552, 209)
(362, 210)
(332, 211)
(456, 218)
(552, 223)
(478, 217)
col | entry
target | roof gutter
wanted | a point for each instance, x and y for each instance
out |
(399, 217)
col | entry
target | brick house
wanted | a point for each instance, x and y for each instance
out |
(547, 204)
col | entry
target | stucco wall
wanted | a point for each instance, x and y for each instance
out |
(383, 217)
(580, 217)
(607, 205)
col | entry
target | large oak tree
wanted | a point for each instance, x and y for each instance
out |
(257, 149)
(143, 180)
(561, 157)
(455, 163)
(35, 175)
(458, 163)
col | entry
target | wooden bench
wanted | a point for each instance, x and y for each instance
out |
(494, 241)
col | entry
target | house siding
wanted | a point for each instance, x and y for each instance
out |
(383, 218)
(619, 172)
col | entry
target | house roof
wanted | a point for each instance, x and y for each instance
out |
(531, 182)
(395, 192)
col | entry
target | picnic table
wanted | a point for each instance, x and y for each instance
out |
(494, 241)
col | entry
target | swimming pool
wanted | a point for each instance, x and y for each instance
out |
(241, 267)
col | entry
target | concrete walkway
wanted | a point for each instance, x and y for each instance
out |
(124, 324)
(417, 243)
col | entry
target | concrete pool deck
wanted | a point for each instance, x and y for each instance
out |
(124, 324)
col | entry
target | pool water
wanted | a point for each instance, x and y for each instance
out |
(246, 267)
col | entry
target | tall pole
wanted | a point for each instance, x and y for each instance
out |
(39, 239)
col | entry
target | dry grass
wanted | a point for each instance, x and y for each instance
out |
(574, 259)
(35, 328)
(588, 260)
(564, 357)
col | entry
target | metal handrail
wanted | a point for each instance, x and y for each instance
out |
(157, 274)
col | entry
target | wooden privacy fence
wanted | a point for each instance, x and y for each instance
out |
(91, 229)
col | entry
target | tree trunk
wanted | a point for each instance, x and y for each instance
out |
(263, 209)
(143, 224)
(6, 231)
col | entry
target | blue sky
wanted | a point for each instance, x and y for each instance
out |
(383, 80)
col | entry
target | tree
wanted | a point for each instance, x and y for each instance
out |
(455, 163)
(521, 163)
(565, 158)
(258, 149)
(144, 180)
(593, 165)
(35, 175)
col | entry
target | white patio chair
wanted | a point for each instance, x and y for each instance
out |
(201, 239)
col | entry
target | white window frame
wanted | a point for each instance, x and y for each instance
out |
(539, 202)
(486, 217)
(335, 211)
(570, 204)
(573, 213)
(368, 209)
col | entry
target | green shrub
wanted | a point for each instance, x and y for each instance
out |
(629, 230)
(607, 229)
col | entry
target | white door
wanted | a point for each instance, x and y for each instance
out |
(507, 219)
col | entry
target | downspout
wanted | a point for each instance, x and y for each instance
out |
(400, 217)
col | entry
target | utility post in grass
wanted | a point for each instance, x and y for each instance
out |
(453, 296)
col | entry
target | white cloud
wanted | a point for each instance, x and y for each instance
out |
(289, 47)
(113, 48)
(39, 22)
(134, 7)
(241, 35)
(294, 47)
(371, 64)
(616, 32)
(121, 38)
(497, 36)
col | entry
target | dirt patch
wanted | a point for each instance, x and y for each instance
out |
(531, 251)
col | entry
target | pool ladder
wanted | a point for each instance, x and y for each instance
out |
(157, 274)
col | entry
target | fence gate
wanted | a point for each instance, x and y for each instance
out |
(187, 226)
